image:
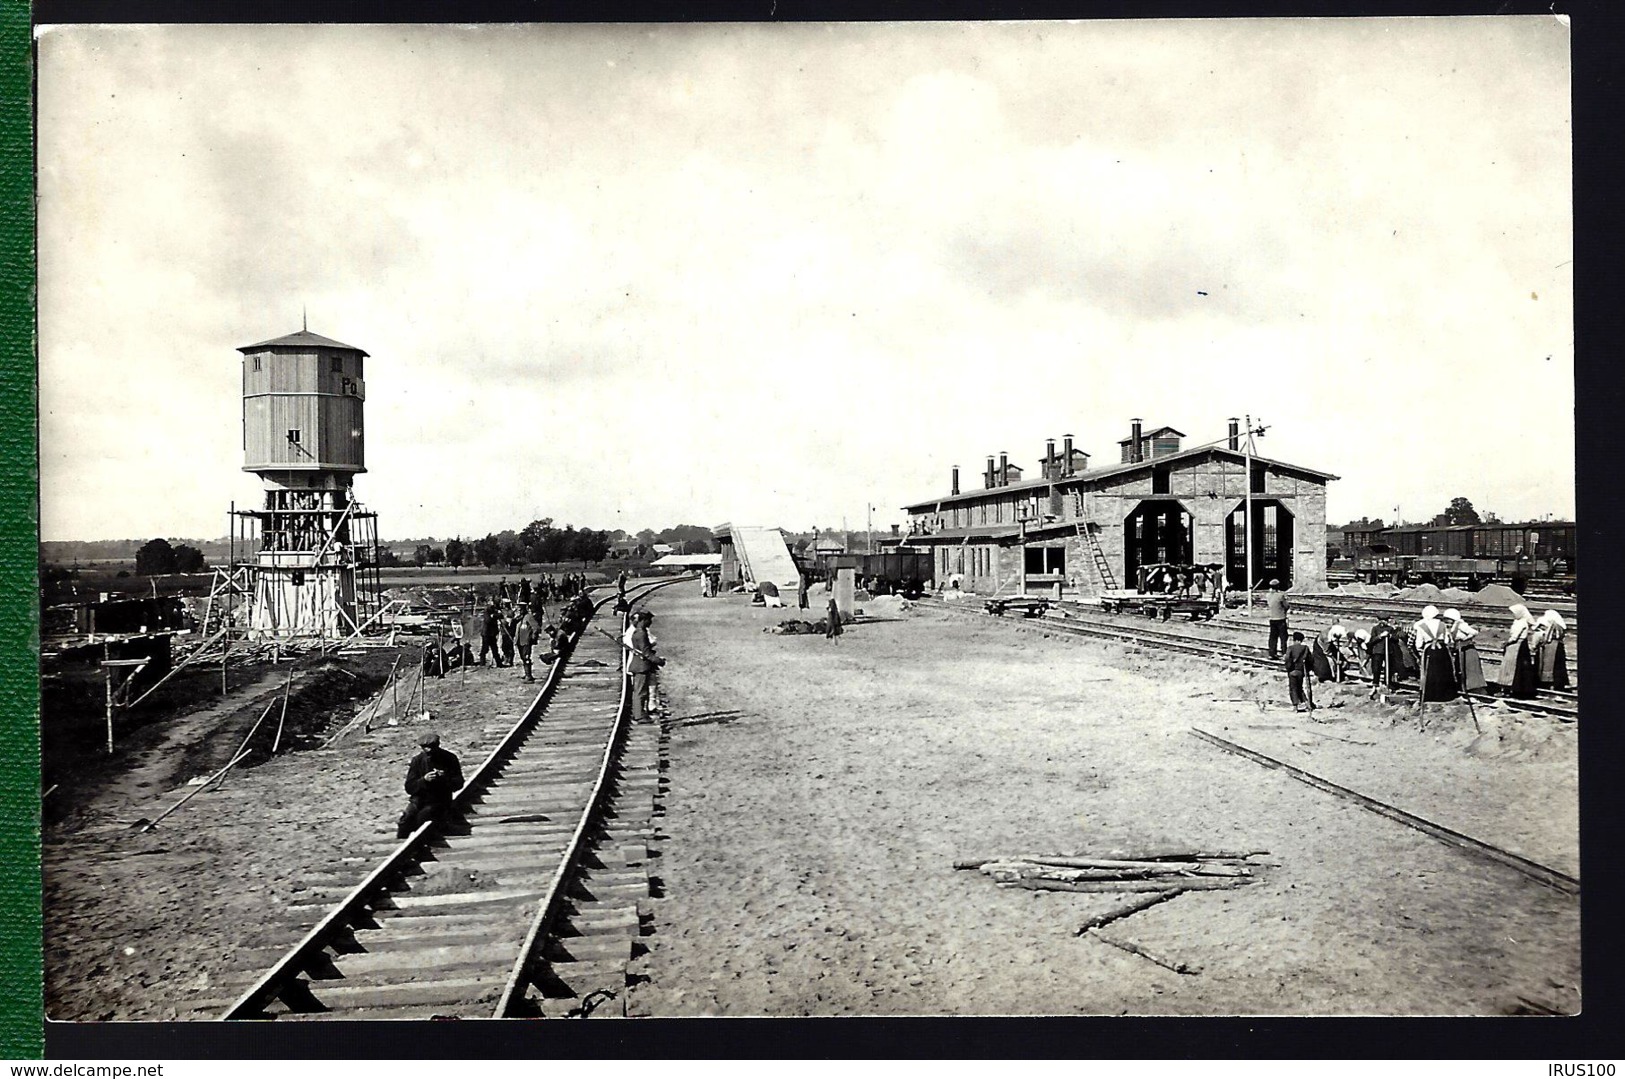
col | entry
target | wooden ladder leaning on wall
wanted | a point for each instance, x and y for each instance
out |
(1103, 568)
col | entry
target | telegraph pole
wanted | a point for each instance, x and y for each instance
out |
(1247, 532)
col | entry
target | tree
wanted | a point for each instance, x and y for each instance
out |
(456, 552)
(437, 555)
(487, 550)
(155, 557)
(189, 559)
(512, 549)
(1460, 512)
(420, 555)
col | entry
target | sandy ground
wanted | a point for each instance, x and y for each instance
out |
(822, 792)
(168, 924)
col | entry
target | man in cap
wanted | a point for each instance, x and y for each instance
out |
(643, 663)
(1275, 603)
(433, 777)
(1297, 672)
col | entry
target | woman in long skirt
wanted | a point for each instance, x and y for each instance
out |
(1469, 667)
(1517, 674)
(1438, 679)
(1553, 668)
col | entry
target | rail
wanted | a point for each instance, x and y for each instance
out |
(283, 980)
(1559, 704)
(511, 1001)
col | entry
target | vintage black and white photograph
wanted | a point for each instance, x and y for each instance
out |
(794, 520)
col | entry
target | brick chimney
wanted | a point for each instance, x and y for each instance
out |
(987, 477)
(955, 491)
(1134, 453)
(1235, 433)
(1052, 469)
(1066, 455)
(1004, 468)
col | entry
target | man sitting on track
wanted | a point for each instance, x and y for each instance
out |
(433, 777)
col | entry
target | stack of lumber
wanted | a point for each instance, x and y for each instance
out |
(1194, 871)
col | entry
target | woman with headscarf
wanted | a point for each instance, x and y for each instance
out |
(1517, 674)
(1358, 648)
(1432, 650)
(1469, 668)
(1336, 649)
(833, 630)
(1552, 668)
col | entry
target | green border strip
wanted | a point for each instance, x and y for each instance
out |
(22, 1033)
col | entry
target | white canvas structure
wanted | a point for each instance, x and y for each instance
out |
(764, 556)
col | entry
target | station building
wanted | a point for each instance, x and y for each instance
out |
(1091, 529)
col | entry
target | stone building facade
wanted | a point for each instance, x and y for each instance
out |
(1090, 530)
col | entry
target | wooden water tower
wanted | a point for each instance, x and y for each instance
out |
(308, 560)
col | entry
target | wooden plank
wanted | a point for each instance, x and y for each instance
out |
(1127, 909)
(1135, 949)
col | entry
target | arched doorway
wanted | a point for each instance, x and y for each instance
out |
(1272, 543)
(1159, 530)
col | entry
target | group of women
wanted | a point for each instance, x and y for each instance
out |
(1439, 650)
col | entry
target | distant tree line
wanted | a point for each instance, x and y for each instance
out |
(156, 557)
(539, 541)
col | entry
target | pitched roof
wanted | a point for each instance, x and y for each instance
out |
(301, 339)
(1083, 479)
(1151, 434)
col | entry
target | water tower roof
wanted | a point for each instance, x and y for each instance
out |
(301, 339)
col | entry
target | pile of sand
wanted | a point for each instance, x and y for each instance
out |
(1422, 593)
(886, 606)
(1497, 595)
(1457, 595)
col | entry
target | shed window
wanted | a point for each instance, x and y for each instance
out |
(1257, 479)
(293, 435)
(1046, 560)
(1159, 479)
(256, 363)
(337, 364)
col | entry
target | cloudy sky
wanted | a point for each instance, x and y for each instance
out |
(630, 276)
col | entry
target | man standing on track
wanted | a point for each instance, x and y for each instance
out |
(524, 636)
(1275, 603)
(642, 665)
(433, 777)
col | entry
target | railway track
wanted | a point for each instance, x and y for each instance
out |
(1078, 623)
(1401, 610)
(528, 899)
